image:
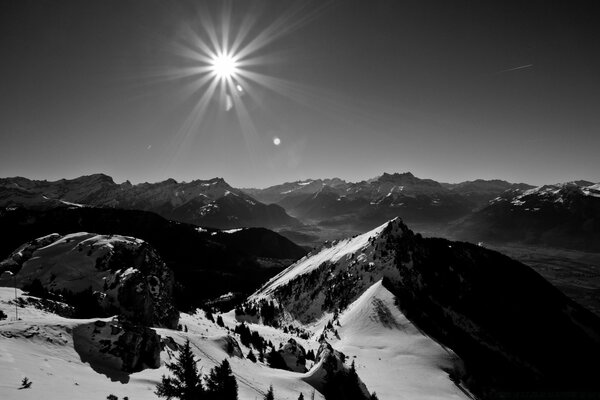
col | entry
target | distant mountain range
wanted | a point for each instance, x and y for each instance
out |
(367, 203)
(211, 203)
(563, 215)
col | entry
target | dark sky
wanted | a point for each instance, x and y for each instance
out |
(449, 90)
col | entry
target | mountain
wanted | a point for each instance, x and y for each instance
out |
(125, 274)
(293, 190)
(481, 191)
(561, 215)
(511, 330)
(211, 202)
(362, 205)
(206, 262)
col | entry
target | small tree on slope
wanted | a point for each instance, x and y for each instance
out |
(221, 384)
(270, 395)
(186, 383)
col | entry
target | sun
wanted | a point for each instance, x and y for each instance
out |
(224, 66)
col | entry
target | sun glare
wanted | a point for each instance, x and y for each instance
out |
(224, 66)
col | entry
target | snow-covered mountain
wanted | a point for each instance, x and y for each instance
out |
(415, 318)
(371, 202)
(123, 274)
(563, 215)
(210, 202)
(290, 193)
(508, 327)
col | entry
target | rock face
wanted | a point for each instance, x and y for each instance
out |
(123, 274)
(294, 356)
(117, 348)
(332, 377)
(230, 345)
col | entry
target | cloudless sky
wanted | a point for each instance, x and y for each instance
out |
(449, 90)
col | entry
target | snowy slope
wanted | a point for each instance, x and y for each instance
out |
(41, 347)
(392, 356)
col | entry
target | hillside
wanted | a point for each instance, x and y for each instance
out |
(206, 262)
(511, 328)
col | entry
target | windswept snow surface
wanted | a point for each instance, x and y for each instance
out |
(392, 357)
(333, 253)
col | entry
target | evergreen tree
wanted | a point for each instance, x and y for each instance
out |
(220, 321)
(25, 383)
(270, 395)
(221, 383)
(374, 396)
(251, 356)
(186, 383)
(301, 397)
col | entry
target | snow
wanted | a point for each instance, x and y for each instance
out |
(332, 254)
(68, 203)
(69, 261)
(41, 347)
(592, 190)
(233, 230)
(392, 357)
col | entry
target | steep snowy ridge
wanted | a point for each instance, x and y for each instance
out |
(330, 253)
(334, 276)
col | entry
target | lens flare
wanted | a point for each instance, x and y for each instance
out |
(224, 66)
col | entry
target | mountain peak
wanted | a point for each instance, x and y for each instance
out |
(99, 178)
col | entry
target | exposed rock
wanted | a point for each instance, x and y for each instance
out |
(117, 348)
(294, 356)
(124, 275)
(230, 345)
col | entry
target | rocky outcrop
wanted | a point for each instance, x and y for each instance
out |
(333, 378)
(121, 274)
(294, 356)
(117, 348)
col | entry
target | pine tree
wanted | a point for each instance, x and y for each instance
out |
(301, 397)
(221, 383)
(186, 383)
(251, 356)
(374, 396)
(220, 321)
(270, 395)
